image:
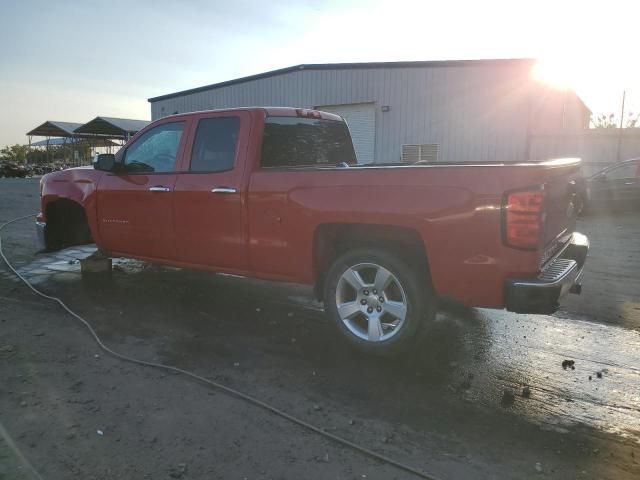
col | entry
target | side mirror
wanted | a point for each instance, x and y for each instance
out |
(105, 162)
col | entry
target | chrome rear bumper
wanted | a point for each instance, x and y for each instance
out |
(561, 276)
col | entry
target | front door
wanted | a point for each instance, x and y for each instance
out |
(135, 206)
(209, 195)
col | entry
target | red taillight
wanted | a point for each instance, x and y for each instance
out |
(523, 215)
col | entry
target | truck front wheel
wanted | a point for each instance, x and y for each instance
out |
(379, 303)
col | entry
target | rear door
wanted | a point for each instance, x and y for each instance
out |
(209, 216)
(135, 206)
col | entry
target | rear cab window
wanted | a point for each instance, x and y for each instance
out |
(306, 142)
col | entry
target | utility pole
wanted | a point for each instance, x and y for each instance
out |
(624, 95)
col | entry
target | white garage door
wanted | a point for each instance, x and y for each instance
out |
(361, 118)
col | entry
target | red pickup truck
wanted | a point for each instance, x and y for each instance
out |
(276, 193)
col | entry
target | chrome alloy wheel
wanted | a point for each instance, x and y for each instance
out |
(371, 302)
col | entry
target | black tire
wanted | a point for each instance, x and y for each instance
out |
(420, 300)
(66, 227)
(79, 233)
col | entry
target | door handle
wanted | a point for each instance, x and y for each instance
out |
(224, 190)
(159, 188)
(629, 183)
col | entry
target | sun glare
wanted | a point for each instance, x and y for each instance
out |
(557, 74)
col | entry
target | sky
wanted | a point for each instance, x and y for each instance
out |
(72, 61)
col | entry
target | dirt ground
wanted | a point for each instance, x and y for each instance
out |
(67, 410)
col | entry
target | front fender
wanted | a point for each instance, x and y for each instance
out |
(78, 185)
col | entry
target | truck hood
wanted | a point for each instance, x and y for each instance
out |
(76, 174)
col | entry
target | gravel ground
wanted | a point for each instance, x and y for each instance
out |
(611, 291)
(70, 411)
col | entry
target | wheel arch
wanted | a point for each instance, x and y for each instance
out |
(334, 239)
(67, 223)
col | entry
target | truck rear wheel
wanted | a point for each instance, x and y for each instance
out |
(379, 303)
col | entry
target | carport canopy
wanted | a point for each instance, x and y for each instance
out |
(95, 142)
(111, 127)
(52, 128)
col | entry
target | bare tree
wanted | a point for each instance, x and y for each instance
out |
(611, 121)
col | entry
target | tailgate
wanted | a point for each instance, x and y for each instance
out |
(561, 182)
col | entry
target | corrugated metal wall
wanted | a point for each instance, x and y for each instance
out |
(597, 148)
(475, 113)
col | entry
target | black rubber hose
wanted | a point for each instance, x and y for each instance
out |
(211, 383)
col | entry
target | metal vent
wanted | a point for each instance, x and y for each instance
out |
(427, 152)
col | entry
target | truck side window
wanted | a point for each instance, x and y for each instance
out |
(296, 142)
(214, 149)
(623, 172)
(156, 150)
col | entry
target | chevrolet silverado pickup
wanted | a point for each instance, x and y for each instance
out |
(277, 193)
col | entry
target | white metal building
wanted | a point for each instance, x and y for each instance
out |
(464, 110)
